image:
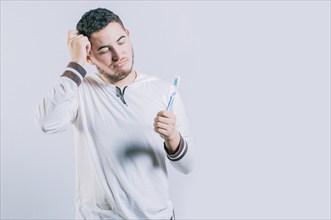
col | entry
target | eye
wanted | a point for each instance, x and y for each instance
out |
(121, 41)
(104, 50)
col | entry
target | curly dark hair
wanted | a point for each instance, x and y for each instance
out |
(95, 20)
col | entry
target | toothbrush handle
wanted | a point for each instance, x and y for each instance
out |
(171, 100)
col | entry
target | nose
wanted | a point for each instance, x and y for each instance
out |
(115, 54)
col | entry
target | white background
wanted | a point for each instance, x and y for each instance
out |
(255, 82)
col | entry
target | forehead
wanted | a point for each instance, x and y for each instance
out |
(109, 34)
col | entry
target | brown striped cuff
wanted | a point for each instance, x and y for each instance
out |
(180, 153)
(75, 72)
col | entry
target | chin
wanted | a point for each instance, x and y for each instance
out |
(115, 76)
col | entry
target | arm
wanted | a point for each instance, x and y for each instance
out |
(59, 107)
(174, 129)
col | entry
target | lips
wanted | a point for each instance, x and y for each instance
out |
(120, 63)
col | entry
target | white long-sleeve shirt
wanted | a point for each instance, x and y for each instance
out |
(120, 160)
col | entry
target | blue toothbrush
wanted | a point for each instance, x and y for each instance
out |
(172, 97)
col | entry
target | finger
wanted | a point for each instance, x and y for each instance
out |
(162, 113)
(158, 132)
(165, 134)
(164, 120)
(169, 121)
(80, 40)
(166, 114)
(163, 125)
(73, 38)
(79, 36)
(83, 39)
(161, 131)
(72, 34)
(164, 129)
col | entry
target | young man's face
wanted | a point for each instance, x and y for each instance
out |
(112, 52)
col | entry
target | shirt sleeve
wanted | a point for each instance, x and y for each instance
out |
(60, 105)
(183, 159)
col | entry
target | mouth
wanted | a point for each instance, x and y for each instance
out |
(120, 63)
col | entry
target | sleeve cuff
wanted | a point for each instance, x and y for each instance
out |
(75, 72)
(180, 153)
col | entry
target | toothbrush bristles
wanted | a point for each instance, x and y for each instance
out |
(176, 81)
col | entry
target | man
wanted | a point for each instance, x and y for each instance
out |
(123, 134)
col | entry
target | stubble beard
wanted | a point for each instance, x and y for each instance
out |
(118, 75)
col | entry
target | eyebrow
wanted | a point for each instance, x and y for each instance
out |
(100, 48)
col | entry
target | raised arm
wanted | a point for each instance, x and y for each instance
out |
(59, 107)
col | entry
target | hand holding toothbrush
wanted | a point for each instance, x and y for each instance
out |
(165, 124)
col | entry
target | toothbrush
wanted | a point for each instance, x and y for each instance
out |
(172, 97)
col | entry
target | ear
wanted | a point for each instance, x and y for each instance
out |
(127, 32)
(89, 59)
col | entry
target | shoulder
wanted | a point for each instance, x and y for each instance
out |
(153, 81)
(92, 77)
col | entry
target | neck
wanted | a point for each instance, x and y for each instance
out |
(123, 82)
